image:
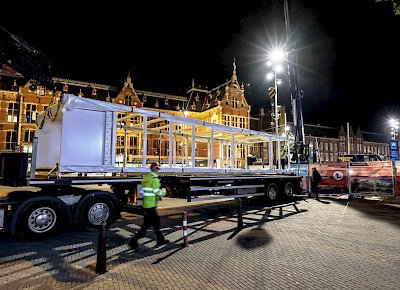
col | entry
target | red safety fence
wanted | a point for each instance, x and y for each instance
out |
(397, 178)
(358, 178)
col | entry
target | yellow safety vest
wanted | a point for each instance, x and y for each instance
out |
(151, 190)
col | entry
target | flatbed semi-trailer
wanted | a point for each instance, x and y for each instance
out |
(74, 179)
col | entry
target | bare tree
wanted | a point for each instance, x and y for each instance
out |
(396, 5)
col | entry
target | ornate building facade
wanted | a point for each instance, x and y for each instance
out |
(225, 104)
(329, 143)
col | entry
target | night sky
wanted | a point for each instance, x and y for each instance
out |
(348, 56)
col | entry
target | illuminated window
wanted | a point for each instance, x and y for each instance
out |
(11, 140)
(40, 91)
(120, 141)
(128, 100)
(31, 111)
(120, 116)
(28, 135)
(12, 113)
(235, 103)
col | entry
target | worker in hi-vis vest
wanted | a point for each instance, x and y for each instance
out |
(152, 192)
(283, 156)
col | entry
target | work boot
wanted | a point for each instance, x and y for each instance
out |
(162, 243)
(133, 244)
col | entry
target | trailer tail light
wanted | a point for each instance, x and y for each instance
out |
(135, 198)
(132, 198)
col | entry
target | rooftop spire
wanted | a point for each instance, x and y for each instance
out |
(234, 77)
(128, 81)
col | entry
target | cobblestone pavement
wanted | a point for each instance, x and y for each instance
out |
(341, 245)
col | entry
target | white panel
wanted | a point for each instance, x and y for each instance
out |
(83, 138)
(109, 158)
(97, 169)
(49, 140)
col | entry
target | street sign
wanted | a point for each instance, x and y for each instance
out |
(394, 150)
(271, 92)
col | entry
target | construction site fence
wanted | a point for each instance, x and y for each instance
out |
(373, 178)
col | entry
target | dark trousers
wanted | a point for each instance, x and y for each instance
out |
(314, 189)
(283, 163)
(150, 218)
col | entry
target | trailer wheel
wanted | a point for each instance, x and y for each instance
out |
(40, 220)
(288, 190)
(96, 210)
(272, 192)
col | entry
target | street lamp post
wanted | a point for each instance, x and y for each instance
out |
(394, 128)
(273, 93)
(274, 63)
(276, 109)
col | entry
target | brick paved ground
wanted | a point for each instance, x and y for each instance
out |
(341, 245)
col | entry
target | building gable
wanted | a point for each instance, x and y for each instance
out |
(127, 95)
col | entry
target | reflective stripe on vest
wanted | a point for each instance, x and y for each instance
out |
(148, 191)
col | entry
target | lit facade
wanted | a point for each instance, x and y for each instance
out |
(225, 104)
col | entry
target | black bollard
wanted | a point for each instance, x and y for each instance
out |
(240, 216)
(101, 250)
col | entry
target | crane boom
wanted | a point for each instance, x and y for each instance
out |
(296, 93)
(18, 57)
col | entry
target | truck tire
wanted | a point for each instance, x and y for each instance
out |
(272, 192)
(96, 210)
(288, 190)
(41, 220)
